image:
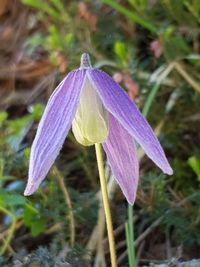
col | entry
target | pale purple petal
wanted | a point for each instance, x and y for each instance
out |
(53, 128)
(125, 111)
(121, 153)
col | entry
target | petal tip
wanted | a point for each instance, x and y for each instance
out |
(130, 195)
(169, 171)
(166, 168)
(131, 200)
(30, 189)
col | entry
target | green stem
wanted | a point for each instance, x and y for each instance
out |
(130, 237)
(129, 225)
(131, 231)
(150, 99)
(11, 230)
(106, 205)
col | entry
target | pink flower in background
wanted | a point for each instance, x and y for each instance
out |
(156, 48)
(130, 84)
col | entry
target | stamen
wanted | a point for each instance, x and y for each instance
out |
(85, 61)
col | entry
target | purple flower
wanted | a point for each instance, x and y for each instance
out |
(100, 112)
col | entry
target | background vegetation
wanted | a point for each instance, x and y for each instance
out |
(152, 48)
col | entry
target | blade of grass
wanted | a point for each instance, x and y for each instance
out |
(42, 6)
(155, 88)
(131, 15)
(150, 99)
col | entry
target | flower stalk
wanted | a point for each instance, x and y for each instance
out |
(106, 205)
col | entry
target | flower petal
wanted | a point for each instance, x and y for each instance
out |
(121, 153)
(53, 128)
(125, 111)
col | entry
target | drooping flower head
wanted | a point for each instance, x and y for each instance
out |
(100, 112)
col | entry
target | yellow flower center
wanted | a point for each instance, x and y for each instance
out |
(90, 124)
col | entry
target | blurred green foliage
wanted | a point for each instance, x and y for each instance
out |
(39, 212)
(138, 37)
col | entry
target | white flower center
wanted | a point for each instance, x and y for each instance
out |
(90, 124)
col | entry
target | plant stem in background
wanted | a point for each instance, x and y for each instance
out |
(130, 237)
(150, 99)
(129, 225)
(11, 230)
(106, 205)
(67, 199)
(187, 77)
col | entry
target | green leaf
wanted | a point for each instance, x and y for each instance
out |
(175, 44)
(7, 178)
(33, 42)
(18, 124)
(42, 6)
(59, 5)
(54, 39)
(138, 4)
(34, 220)
(194, 163)
(29, 214)
(121, 51)
(9, 199)
(27, 152)
(2, 162)
(18, 129)
(38, 226)
(69, 38)
(3, 117)
(37, 111)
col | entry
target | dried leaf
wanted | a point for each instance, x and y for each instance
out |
(87, 15)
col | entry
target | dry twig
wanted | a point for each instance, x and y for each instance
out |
(67, 199)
